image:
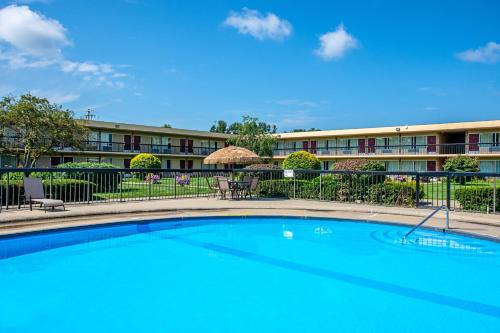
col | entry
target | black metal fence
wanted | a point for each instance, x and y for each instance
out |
(475, 192)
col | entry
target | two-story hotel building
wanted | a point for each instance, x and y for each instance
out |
(118, 143)
(400, 148)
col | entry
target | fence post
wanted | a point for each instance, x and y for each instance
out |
(121, 185)
(494, 195)
(175, 186)
(294, 184)
(50, 185)
(417, 190)
(88, 187)
(149, 187)
(320, 186)
(448, 191)
(7, 192)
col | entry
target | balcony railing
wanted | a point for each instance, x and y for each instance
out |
(121, 147)
(427, 149)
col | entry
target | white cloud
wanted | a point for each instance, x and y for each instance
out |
(488, 54)
(31, 40)
(31, 32)
(252, 22)
(56, 96)
(335, 44)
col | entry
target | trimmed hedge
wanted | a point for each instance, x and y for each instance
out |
(301, 160)
(333, 189)
(394, 194)
(145, 161)
(477, 199)
(106, 181)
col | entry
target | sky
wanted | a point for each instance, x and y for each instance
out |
(296, 64)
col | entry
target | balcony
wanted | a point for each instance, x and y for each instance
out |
(121, 147)
(398, 150)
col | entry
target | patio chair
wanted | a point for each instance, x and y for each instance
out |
(252, 187)
(223, 187)
(34, 194)
(214, 186)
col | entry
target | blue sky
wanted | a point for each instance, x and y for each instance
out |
(297, 64)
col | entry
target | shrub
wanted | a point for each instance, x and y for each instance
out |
(145, 161)
(301, 160)
(461, 164)
(106, 181)
(394, 194)
(354, 187)
(478, 199)
(358, 165)
(262, 166)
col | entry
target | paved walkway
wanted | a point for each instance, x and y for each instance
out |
(15, 221)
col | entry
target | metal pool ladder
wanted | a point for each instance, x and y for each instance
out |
(427, 219)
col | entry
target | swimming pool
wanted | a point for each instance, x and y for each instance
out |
(256, 274)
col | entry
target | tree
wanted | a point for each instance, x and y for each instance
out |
(254, 136)
(220, 126)
(167, 126)
(312, 129)
(301, 160)
(461, 164)
(37, 127)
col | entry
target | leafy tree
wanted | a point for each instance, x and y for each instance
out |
(461, 164)
(36, 127)
(145, 161)
(167, 126)
(312, 129)
(254, 136)
(220, 126)
(301, 160)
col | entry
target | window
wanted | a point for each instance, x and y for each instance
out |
(387, 143)
(326, 165)
(496, 139)
(55, 161)
(67, 159)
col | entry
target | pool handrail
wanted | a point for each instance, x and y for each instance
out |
(428, 218)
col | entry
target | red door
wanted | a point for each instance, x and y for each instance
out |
(431, 144)
(473, 142)
(183, 164)
(313, 147)
(127, 139)
(190, 146)
(361, 146)
(190, 164)
(183, 146)
(137, 142)
(371, 145)
(305, 145)
(431, 165)
(126, 163)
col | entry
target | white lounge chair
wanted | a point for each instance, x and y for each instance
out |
(34, 194)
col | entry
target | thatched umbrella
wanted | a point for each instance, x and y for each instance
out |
(232, 155)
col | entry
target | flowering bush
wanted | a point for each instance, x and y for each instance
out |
(152, 178)
(359, 165)
(182, 180)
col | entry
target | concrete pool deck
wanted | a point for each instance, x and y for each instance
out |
(15, 221)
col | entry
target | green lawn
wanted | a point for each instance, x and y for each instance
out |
(164, 188)
(437, 190)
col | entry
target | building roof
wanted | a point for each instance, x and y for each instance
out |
(405, 129)
(107, 125)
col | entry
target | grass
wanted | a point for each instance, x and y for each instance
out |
(163, 188)
(437, 190)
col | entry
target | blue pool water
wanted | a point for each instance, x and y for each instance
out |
(248, 275)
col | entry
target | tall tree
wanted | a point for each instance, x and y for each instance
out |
(251, 134)
(220, 126)
(35, 127)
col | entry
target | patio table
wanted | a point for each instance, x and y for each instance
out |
(238, 187)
